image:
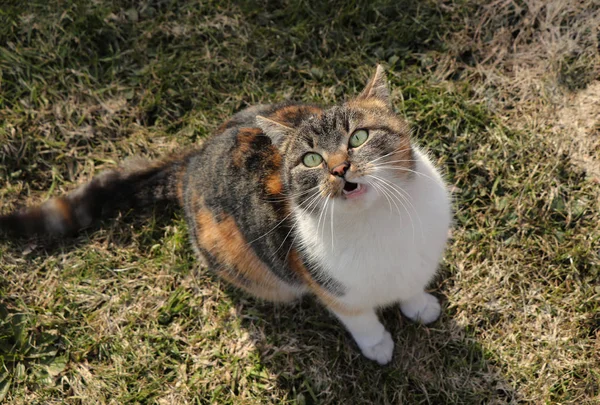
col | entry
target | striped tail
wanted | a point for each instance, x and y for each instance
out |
(136, 184)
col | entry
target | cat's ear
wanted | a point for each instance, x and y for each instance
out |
(377, 87)
(275, 130)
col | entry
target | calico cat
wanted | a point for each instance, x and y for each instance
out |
(291, 199)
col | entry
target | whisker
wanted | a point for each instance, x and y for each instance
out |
(391, 153)
(320, 216)
(277, 225)
(290, 249)
(325, 217)
(399, 193)
(407, 197)
(384, 189)
(286, 237)
(272, 229)
(296, 236)
(288, 197)
(313, 202)
(383, 156)
(332, 208)
(380, 192)
(407, 170)
(394, 161)
(394, 198)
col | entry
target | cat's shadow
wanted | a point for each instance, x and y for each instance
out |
(317, 361)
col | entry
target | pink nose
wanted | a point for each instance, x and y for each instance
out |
(340, 169)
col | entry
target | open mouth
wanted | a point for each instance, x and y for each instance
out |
(350, 187)
(351, 190)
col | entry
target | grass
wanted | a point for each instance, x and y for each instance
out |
(124, 314)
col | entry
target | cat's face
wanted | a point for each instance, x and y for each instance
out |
(352, 155)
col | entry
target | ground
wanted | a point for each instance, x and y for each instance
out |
(504, 95)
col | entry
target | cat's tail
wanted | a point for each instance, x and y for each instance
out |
(137, 183)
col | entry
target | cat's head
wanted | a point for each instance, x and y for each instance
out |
(355, 153)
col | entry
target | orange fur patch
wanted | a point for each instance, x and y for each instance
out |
(222, 127)
(57, 215)
(275, 157)
(369, 103)
(63, 207)
(274, 184)
(292, 113)
(337, 159)
(179, 184)
(224, 240)
(245, 138)
(377, 113)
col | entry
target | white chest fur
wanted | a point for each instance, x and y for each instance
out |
(388, 252)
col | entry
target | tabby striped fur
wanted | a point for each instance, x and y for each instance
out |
(278, 229)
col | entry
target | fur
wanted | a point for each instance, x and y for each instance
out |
(363, 227)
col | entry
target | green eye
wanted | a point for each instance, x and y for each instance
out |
(312, 159)
(358, 137)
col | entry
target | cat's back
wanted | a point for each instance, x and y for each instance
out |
(290, 113)
(233, 194)
(239, 160)
(236, 169)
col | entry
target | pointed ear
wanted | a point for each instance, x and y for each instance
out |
(377, 87)
(275, 130)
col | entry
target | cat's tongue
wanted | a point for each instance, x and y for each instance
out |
(353, 190)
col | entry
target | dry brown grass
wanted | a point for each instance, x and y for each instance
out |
(537, 62)
(578, 123)
(123, 313)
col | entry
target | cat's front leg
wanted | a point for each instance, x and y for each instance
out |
(374, 341)
(423, 307)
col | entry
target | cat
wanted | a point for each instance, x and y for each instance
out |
(291, 199)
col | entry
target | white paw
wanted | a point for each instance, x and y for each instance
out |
(382, 351)
(424, 308)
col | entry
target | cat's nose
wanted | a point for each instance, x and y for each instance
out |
(340, 169)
